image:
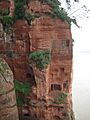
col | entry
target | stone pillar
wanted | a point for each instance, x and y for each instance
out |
(8, 108)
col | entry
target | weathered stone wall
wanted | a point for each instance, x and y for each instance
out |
(21, 49)
(54, 35)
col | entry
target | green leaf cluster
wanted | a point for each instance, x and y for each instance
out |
(24, 88)
(40, 59)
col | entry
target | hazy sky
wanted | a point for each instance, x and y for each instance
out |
(81, 72)
(81, 61)
(81, 67)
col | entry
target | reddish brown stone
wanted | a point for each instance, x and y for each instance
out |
(43, 33)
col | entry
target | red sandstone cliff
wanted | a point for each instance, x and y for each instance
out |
(42, 33)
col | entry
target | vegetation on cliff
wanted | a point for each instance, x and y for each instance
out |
(20, 13)
(40, 59)
(61, 99)
(60, 12)
(23, 89)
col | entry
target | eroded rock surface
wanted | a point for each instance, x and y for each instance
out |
(8, 108)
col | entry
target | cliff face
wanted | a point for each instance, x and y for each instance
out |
(51, 87)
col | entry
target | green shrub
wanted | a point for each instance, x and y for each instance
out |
(40, 59)
(24, 89)
(61, 99)
(19, 12)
